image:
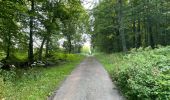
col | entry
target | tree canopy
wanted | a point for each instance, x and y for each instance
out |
(123, 24)
(23, 23)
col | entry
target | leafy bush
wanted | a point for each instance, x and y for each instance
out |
(143, 74)
(2, 55)
(21, 56)
(65, 57)
(2, 87)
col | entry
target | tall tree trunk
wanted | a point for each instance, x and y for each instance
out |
(134, 32)
(49, 31)
(41, 49)
(47, 47)
(121, 27)
(133, 24)
(69, 44)
(145, 22)
(151, 40)
(138, 35)
(150, 34)
(30, 51)
(166, 31)
(8, 46)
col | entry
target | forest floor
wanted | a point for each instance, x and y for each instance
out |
(89, 81)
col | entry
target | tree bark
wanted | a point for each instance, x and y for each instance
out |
(41, 48)
(47, 47)
(30, 51)
(8, 46)
(69, 44)
(133, 24)
(151, 40)
(121, 27)
(150, 34)
(138, 35)
(134, 32)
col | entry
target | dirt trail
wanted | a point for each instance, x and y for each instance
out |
(89, 81)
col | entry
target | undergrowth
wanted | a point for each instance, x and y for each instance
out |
(36, 83)
(142, 74)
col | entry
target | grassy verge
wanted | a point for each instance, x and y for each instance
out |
(143, 74)
(35, 83)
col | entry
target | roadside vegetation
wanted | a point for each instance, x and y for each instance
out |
(142, 74)
(39, 45)
(36, 82)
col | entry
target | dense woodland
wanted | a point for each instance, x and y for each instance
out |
(123, 24)
(34, 27)
(141, 27)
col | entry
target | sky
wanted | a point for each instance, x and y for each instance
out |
(88, 4)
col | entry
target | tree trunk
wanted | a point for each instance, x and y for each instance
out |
(150, 34)
(151, 40)
(138, 35)
(30, 51)
(69, 44)
(41, 48)
(134, 32)
(47, 47)
(133, 25)
(121, 27)
(8, 46)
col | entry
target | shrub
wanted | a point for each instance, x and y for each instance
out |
(2, 85)
(65, 57)
(143, 74)
(2, 55)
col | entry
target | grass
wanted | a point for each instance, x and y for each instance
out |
(110, 61)
(36, 83)
(142, 74)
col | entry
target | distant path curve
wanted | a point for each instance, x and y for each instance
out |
(89, 81)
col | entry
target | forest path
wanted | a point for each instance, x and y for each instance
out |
(89, 81)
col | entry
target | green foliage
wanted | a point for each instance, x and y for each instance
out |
(85, 49)
(21, 56)
(22, 24)
(143, 74)
(65, 57)
(2, 87)
(143, 22)
(35, 83)
(15, 58)
(10, 24)
(2, 55)
(46, 21)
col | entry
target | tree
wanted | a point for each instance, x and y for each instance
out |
(75, 21)
(121, 23)
(31, 26)
(9, 29)
(133, 23)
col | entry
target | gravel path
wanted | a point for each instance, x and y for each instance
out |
(89, 81)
